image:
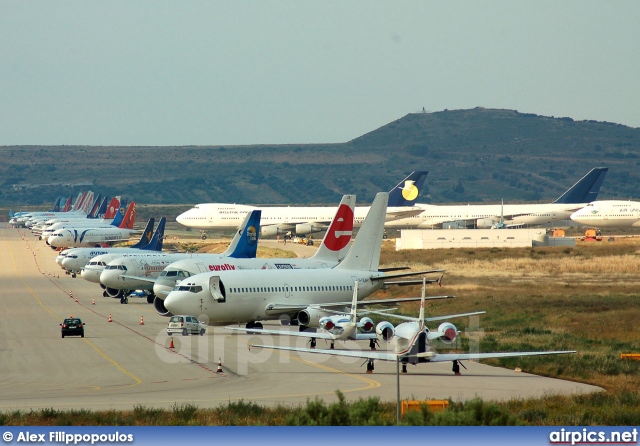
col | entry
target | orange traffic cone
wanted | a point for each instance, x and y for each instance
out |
(171, 344)
(219, 366)
(76, 298)
(93, 301)
(141, 320)
(70, 294)
(110, 320)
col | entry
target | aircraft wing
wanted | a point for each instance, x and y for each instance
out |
(304, 334)
(427, 319)
(397, 214)
(144, 279)
(384, 356)
(442, 357)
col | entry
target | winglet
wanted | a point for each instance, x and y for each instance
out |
(354, 303)
(407, 191)
(422, 298)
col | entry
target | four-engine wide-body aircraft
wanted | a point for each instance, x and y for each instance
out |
(243, 296)
(609, 214)
(299, 220)
(411, 344)
(506, 215)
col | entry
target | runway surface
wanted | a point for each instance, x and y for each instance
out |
(122, 363)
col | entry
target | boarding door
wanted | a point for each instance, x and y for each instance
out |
(287, 291)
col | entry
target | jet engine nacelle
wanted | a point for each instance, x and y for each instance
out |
(113, 292)
(366, 325)
(158, 304)
(485, 223)
(310, 317)
(270, 231)
(446, 333)
(385, 331)
(307, 228)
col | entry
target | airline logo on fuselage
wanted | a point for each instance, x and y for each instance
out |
(97, 253)
(339, 233)
(410, 191)
(224, 267)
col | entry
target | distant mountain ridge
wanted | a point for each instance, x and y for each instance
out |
(475, 155)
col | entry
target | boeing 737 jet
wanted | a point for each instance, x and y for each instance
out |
(609, 214)
(299, 220)
(247, 296)
(507, 215)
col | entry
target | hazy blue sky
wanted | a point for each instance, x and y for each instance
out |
(152, 72)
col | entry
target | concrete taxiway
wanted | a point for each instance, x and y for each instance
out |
(122, 363)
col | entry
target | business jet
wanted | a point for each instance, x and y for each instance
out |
(281, 220)
(97, 237)
(338, 327)
(332, 249)
(506, 215)
(609, 214)
(411, 344)
(248, 296)
(72, 260)
(138, 271)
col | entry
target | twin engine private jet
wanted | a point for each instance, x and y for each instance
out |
(411, 342)
(283, 220)
(244, 296)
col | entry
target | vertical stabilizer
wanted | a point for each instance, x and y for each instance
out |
(336, 242)
(67, 205)
(103, 207)
(56, 205)
(147, 234)
(422, 298)
(93, 211)
(407, 191)
(245, 243)
(78, 202)
(354, 303)
(158, 237)
(129, 217)
(586, 189)
(112, 209)
(364, 254)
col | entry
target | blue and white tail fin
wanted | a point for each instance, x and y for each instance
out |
(364, 254)
(145, 238)
(103, 207)
(245, 243)
(336, 242)
(117, 219)
(56, 205)
(407, 191)
(586, 189)
(158, 237)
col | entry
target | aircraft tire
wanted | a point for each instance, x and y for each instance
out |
(185, 332)
(202, 330)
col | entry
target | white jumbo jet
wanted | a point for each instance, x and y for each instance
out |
(299, 220)
(609, 214)
(505, 215)
(243, 296)
(97, 237)
(411, 344)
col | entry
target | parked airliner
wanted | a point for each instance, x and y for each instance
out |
(299, 220)
(511, 215)
(247, 296)
(609, 214)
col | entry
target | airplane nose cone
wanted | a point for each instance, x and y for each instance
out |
(162, 287)
(178, 302)
(109, 277)
(91, 275)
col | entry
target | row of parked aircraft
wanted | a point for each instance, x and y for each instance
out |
(577, 203)
(322, 293)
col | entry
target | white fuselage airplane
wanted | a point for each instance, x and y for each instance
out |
(97, 237)
(242, 296)
(491, 215)
(299, 220)
(609, 214)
